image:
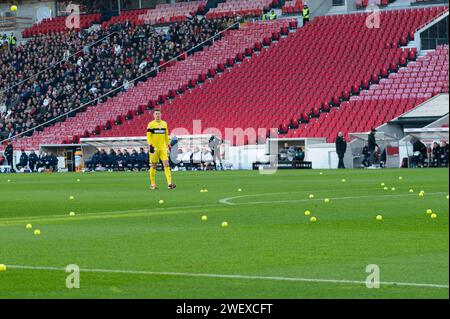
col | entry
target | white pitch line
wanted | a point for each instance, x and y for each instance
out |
(224, 276)
(227, 201)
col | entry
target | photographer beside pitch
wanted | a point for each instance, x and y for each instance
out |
(158, 143)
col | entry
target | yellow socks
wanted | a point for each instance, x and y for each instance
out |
(168, 174)
(152, 176)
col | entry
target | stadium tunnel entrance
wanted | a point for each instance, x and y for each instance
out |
(69, 156)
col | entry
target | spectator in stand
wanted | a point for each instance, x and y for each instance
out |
(32, 161)
(23, 161)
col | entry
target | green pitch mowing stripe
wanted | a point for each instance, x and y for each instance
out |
(244, 277)
(130, 246)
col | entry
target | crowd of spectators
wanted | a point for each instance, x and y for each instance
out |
(51, 75)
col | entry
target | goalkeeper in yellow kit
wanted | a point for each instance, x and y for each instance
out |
(158, 142)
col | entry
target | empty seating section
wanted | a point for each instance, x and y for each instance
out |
(393, 96)
(240, 7)
(162, 13)
(364, 3)
(58, 24)
(201, 63)
(323, 63)
(421, 79)
(293, 6)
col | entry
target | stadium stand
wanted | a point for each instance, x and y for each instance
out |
(183, 74)
(291, 78)
(58, 24)
(293, 6)
(162, 13)
(285, 81)
(239, 7)
(85, 74)
(361, 4)
(399, 93)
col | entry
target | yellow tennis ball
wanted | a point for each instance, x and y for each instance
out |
(385, 188)
(204, 218)
(383, 184)
(239, 190)
(307, 213)
(71, 197)
(393, 189)
(411, 190)
(400, 177)
(326, 200)
(29, 226)
(72, 214)
(161, 201)
(429, 211)
(344, 180)
(37, 232)
(311, 196)
(433, 216)
(447, 196)
(205, 190)
(2, 267)
(202, 191)
(13, 8)
(379, 217)
(224, 224)
(313, 219)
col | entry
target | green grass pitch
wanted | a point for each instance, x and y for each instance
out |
(130, 246)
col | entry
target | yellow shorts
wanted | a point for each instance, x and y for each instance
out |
(159, 155)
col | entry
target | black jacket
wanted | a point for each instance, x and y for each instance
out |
(365, 151)
(341, 145)
(418, 146)
(32, 159)
(9, 150)
(372, 141)
(23, 161)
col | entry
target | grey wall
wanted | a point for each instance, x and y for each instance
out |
(319, 7)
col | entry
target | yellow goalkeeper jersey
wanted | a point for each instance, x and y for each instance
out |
(158, 134)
